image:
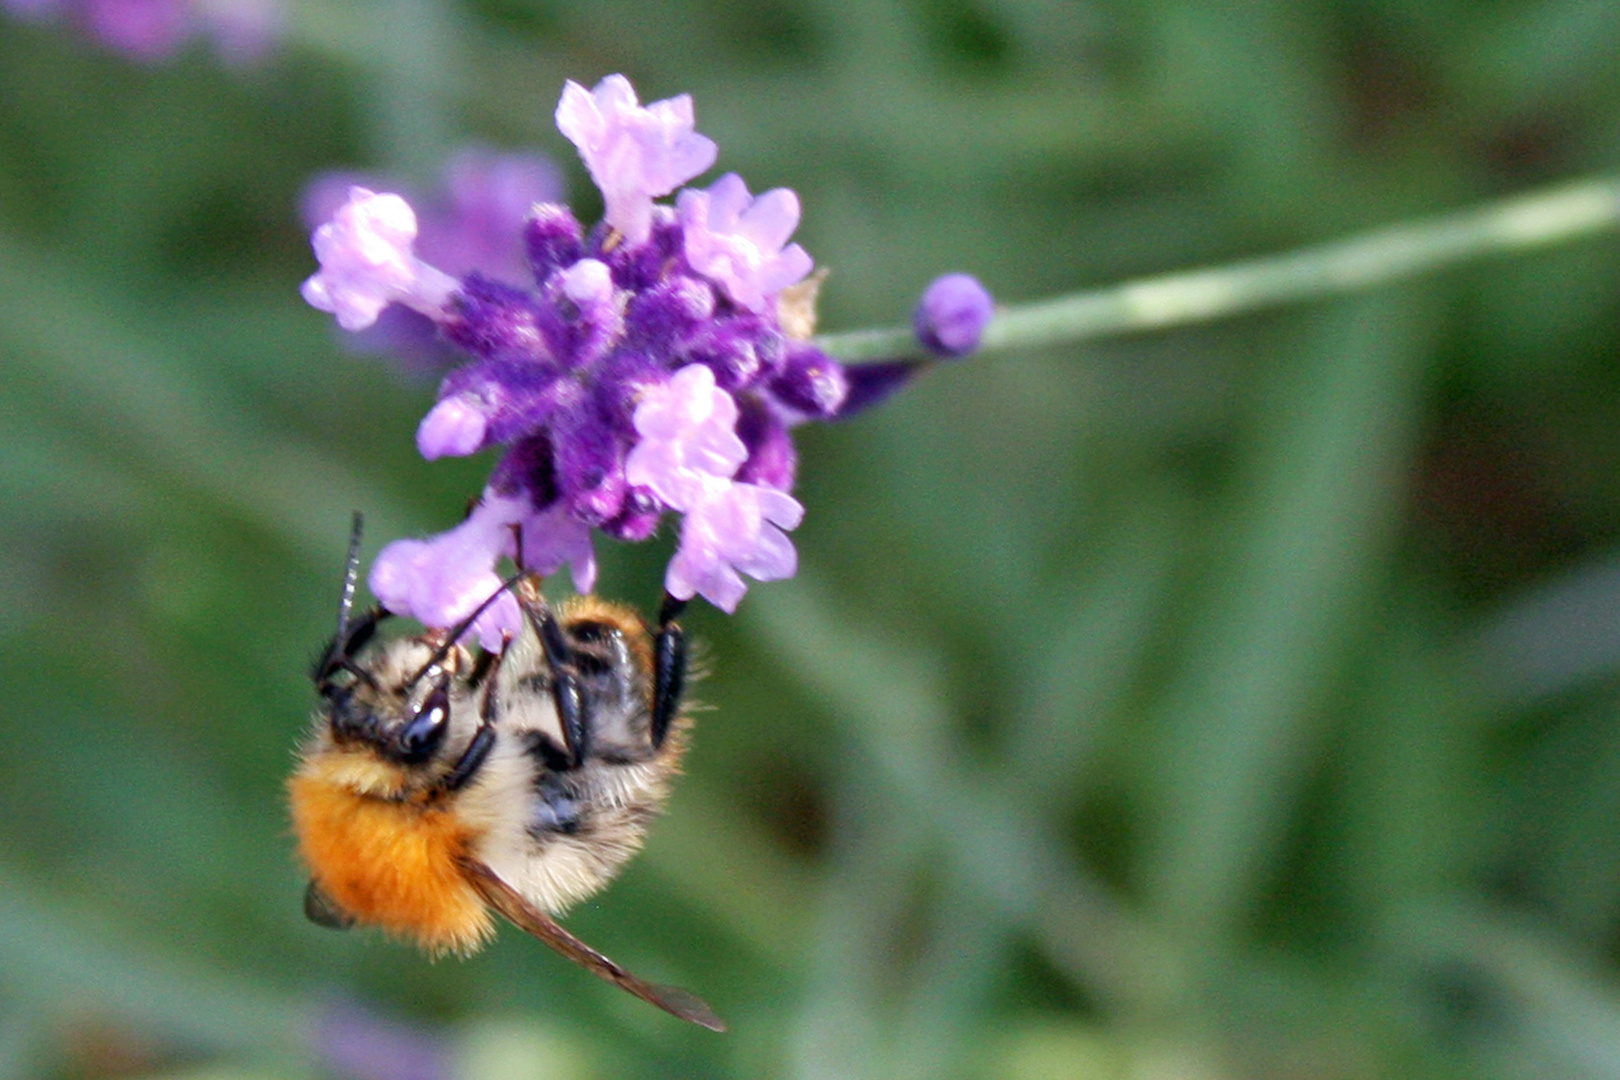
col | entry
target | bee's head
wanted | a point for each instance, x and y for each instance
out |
(404, 719)
(394, 701)
(392, 698)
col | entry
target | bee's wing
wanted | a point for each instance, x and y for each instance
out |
(511, 903)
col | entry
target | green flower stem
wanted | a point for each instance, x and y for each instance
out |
(1342, 266)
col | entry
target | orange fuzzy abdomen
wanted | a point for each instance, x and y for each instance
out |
(389, 864)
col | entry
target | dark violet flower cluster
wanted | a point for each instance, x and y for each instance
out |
(653, 364)
(242, 31)
(646, 368)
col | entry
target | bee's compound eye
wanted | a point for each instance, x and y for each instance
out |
(422, 734)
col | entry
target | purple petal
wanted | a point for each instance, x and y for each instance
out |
(736, 242)
(872, 384)
(455, 427)
(477, 224)
(688, 438)
(634, 154)
(668, 311)
(527, 468)
(442, 580)
(738, 529)
(552, 238)
(772, 460)
(498, 191)
(952, 314)
(589, 460)
(367, 262)
(498, 322)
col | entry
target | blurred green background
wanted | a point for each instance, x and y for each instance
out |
(1234, 701)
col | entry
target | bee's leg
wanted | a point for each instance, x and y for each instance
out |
(472, 759)
(669, 668)
(483, 741)
(351, 637)
(571, 707)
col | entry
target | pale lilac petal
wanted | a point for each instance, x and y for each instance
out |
(695, 572)
(789, 267)
(660, 465)
(771, 219)
(552, 537)
(689, 398)
(367, 262)
(634, 154)
(728, 197)
(736, 241)
(738, 530)
(777, 507)
(688, 429)
(455, 427)
(588, 282)
(772, 557)
(442, 580)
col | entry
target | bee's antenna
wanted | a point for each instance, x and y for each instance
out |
(350, 635)
(351, 576)
(461, 628)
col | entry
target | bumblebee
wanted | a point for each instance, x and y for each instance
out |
(442, 781)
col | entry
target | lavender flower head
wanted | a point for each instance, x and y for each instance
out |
(642, 370)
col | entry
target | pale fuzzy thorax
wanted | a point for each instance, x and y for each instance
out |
(560, 870)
